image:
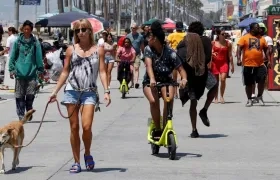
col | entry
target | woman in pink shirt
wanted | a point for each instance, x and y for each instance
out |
(126, 53)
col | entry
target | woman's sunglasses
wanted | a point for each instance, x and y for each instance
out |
(80, 30)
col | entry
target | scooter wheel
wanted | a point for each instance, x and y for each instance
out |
(123, 92)
(171, 147)
(155, 148)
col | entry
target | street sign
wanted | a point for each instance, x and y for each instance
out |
(30, 2)
(273, 10)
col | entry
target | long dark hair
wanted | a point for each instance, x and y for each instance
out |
(158, 32)
(125, 40)
(218, 33)
(106, 40)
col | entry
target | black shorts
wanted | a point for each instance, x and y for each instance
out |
(254, 75)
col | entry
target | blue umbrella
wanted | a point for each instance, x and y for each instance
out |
(62, 20)
(248, 21)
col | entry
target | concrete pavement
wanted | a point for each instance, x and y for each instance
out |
(242, 143)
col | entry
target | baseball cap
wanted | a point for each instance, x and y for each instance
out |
(106, 24)
(262, 25)
(179, 25)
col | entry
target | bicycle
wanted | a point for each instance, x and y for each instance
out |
(168, 138)
(124, 76)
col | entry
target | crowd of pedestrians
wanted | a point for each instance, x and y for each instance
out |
(194, 60)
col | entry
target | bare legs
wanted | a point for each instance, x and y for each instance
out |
(109, 72)
(152, 96)
(222, 87)
(136, 75)
(87, 113)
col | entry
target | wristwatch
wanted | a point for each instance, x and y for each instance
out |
(107, 91)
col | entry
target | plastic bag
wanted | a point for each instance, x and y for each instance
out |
(53, 59)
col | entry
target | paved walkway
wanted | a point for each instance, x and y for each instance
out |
(242, 143)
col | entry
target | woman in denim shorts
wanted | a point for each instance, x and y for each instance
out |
(110, 54)
(83, 62)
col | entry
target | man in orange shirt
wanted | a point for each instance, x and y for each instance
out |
(253, 46)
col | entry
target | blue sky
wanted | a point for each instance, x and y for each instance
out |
(7, 9)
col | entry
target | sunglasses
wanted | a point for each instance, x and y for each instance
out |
(80, 30)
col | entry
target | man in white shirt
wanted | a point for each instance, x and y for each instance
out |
(10, 41)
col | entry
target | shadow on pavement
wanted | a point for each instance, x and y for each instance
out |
(101, 170)
(44, 92)
(134, 97)
(30, 122)
(178, 155)
(21, 169)
(213, 136)
(231, 102)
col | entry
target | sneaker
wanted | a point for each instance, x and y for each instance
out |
(136, 85)
(204, 117)
(194, 134)
(156, 134)
(249, 103)
(260, 100)
(255, 100)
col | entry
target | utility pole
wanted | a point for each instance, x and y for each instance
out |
(132, 12)
(70, 5)
(119, 17)
(16, 14)
(46, 6)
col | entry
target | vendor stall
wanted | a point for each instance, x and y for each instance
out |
(273, 26)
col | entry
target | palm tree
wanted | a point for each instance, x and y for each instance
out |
(60, 6)
(164, 8)
(105, 9)
(92, 6)
(80, 4)
(87, 6)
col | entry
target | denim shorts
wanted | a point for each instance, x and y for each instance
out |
(72, 97)
(109, 59)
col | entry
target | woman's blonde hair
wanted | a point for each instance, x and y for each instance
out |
(83, 23)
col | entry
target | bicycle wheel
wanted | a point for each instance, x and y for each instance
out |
(171, 146)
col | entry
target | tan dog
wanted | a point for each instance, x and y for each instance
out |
(12, 135)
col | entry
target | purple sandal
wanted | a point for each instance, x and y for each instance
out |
(89, 162)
